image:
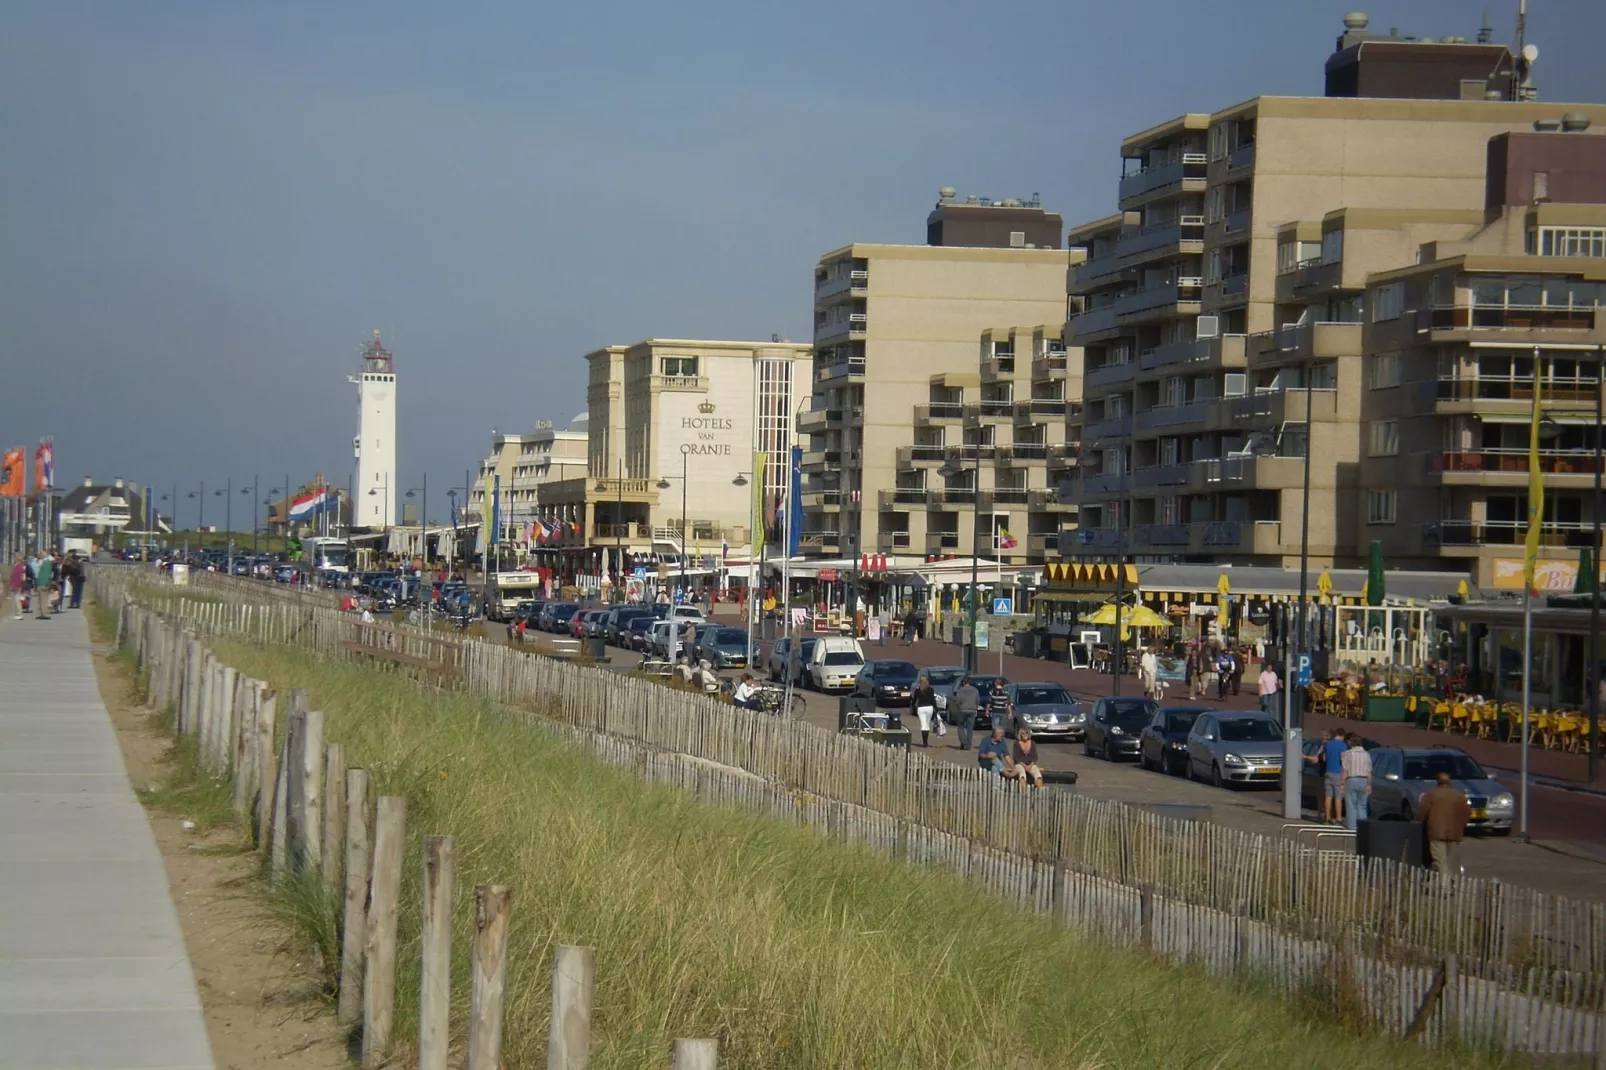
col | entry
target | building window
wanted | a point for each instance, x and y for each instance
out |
(1332, 246)
(1388, 302)
(1384, 371)
(1380, 506)
(686, 366)
(1385, 438)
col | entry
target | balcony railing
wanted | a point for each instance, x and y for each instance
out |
(1551, 462)
(928, 411)
(939, 541)
(990, 410)
(993, 367)
(1512, 388)
(1024, 452)
(1509, 533)
(1162, 475)
(1184, 229)
(1172, 415)
(1093, 321)
(1108, 375)
(1187, 288)
(820, 537)
(970, 453)
(1505, 317)
(1091, 274)
(1049, 366)
(937, 499)
(1160, 535)
(815, 499)
(1049, 499)
(1235, 285)
(888, 541)
(1192, 165)
(1112, 427)
(850, 367)
(1103, 483)
(612, 487)
(916, 455)
(891, 496)
(1004, 496)
(1242, 156)
(681, 382)
(1040, 409)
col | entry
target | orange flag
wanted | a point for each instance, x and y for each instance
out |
(14, 473)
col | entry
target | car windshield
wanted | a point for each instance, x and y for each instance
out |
(1122, 707)
(1180, 723)
(1429, 766)
(731, 635)
(894, 668)
(944, 677)
(1039, 696)
(1128, 718)
(843, 657)
(1249, 730)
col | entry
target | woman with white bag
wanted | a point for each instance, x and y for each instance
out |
(924, 700)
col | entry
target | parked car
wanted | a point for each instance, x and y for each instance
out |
(635, 636)
(661, 637)
(835, 663)
(775, 664)
(1113, 730)
(1235, 747)
(944, 680)
(890, 681)
(555, 616)
(1402, 775)
(1047, 709)
(1164, 742)
(617, 624)
(723, 647)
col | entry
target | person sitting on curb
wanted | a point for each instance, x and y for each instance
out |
(1023, 761)
(994, 751)
(746, 695)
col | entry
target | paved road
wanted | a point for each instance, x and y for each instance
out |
(93, 970)
(1569, 827)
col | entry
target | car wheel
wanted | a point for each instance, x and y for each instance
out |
(1143, 759)
(1107, 754)
(1215, 776)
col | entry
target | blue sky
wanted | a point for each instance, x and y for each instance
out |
(209, 205)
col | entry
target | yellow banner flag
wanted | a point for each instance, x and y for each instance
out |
(1536, 490)
(761, 465)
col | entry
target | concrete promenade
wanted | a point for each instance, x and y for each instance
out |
(93, 970)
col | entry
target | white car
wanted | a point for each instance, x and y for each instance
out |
(835, 664)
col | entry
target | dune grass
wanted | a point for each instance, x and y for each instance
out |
(794, 951)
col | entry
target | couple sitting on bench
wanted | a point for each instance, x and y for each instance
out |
(1018, 763)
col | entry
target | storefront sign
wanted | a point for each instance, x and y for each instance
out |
(828, 575)
(1554, 576)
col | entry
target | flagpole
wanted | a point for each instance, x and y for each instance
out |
(1527, 700)
(1530, 560)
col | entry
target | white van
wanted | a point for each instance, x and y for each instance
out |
(835, 663)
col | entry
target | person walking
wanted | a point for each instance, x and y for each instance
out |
(966, 704)
(1148, 670)
(1192, 674)
(910, 623)
(44, 585)
(18, 585)
(1268, 686)
(1330, 761)
(1237, 670)
(1445, 811)
(924, 700)
(999, 714)
(1223, 673)
(72, 575)
(1357, 767)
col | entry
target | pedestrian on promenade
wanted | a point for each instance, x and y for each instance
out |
(1445, 811)
(1190, 672)
(909, 624)
(1223, 673)
(1148, 670)
(966, 704)
(1329, 761)
(992, 752)
(1268, 686)
(18, 585)
(1237, 670)
(998, 711)
(44, 585)
(872, 630)
(73, 574)
(1357, 767)
(924, 700)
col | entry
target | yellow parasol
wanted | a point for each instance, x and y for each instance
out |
(1223, 597)
(1324, 584)
(1462, 591)
(1135, 617)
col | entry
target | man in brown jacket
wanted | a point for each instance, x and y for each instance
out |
(1445, 812)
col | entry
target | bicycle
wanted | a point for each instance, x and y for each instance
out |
(771, 699)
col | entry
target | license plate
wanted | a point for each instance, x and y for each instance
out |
(1268, 772)
(1480, 815)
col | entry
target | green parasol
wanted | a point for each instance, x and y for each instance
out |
(1584, 582)
(1374, 575)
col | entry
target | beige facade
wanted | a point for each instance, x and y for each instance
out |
(524, 464)
(673, 424)
(910, 346)
(1234, 276)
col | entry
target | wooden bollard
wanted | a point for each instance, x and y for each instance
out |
(574, 971)
(379, 971)
(1146, 917)
(354, 935)
(306, 795)
(696, 1055)
(493, 905)
(279, 853)
(242, 742)
(223, 728)
(334, 815)
(435, 982)
(267, 764)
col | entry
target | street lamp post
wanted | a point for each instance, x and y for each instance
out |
(227, 494)
(1592, 678)
(423, 517)
(254, 490)
(615, 594)
(200, 513)
(948, 472)
(663, 484)
(752, 567)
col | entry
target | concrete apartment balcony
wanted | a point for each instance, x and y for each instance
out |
(986, 412)
(1104, 483)
(827, 540)
(829, 501)
(919, 456)
(1168, 298)
(1241, 158)
(1161, 241)
(1229, 292)
(942, 542)
(928, 413)
(697, 384)
(1310, 278)
(1562, 469)
(1460, 532)
(1236, 537)
(1022, 454)
(1187, 174)
(1305, 341)
(1505, 396)
(816, 421)
(1176, 416)
(905, 497)
(1092, 275)
(1002, 498)
(1221, 353)
(970, 454)
(1162, 475)
(1112, 427)
(815, 460)
(1040, 410)
(1273, 407)
(998, 367)
(889, 542)
(848, 371)
(950, 498)
(1049, 367)
(1516, 326)
(1246, 473)
(1108, 375)
(1049, 501)
(1159, 535)
(1093, 325)
(856, 283)
(611, 489)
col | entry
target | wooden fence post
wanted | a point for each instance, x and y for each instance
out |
(696, 1055)
(1451, 1001)
(493, 904)
(334, 815)
(223, 723)
(279, 852)
(354, 934)
(1146, 917)
(435, 983)
(306, 795)
(379, 973)
(242, 744)
(267, 771)
(569, 1034)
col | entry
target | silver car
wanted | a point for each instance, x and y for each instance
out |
(1402, 775)
(1048, 710)
(1236, 747)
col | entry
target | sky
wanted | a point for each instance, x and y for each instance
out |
(208, 206)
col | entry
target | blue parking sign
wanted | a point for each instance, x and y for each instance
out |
(1302, 670)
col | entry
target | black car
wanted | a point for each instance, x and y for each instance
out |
(1114, 727)
(555, 616)
(890, 682)
(617, 624)
(635, 631)
(1164, 742)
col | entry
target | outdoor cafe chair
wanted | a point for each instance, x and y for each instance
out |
(1439, 716)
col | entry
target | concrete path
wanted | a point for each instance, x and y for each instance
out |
(93, 970)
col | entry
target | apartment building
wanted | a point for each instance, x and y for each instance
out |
(947, 332)
(672, 425)
(1233, 278)
(524, 464)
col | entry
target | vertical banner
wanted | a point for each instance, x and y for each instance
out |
(794, 480)
(761, 473)
(496, 510)
(44, 464)
(1536, 490)
(14, 473)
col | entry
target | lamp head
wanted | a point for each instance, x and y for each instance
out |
(663, 484)
(739, 481)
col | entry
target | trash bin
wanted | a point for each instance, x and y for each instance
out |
(767, 632)
(1026, 644)
(596, 648)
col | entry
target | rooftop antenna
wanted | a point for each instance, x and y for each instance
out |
(1523, 55)
(1486, 31)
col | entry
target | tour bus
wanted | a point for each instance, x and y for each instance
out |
(326, 555)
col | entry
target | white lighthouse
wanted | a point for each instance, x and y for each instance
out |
(375, 488)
